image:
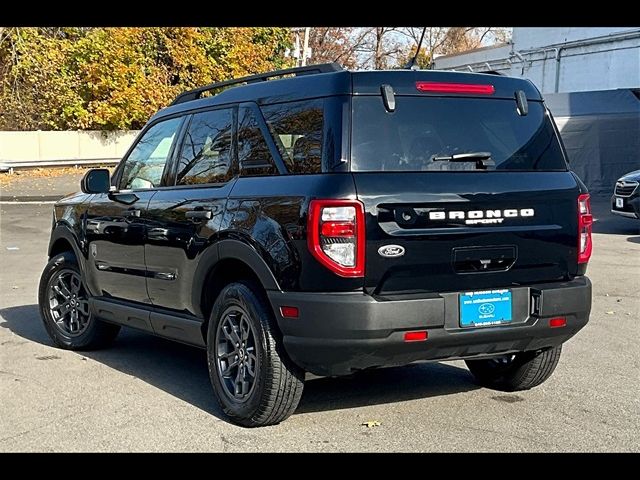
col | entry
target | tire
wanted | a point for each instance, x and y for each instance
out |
(272, 394)
(61, 276)
(511, 373)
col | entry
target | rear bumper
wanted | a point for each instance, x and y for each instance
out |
(336, 334)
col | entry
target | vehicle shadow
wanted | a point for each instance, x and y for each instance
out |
(385, 385)
(181, 371)
(177, 369)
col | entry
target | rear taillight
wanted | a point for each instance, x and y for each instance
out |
(442, 87)
(585, 222)
(335, 235)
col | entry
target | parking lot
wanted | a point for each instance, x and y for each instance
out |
(149, 394)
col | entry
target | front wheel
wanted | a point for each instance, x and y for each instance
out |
(519, 371)
(64, 307)
(254, 380)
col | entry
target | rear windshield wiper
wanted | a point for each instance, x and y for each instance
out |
(481, 159)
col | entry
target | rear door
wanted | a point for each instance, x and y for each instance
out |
(434, 224)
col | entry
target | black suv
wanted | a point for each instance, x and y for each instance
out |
(327, 221)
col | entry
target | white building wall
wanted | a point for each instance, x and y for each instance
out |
(590, 58)
(34, 146)
(532, 37)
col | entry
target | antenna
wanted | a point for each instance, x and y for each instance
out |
(412, 62)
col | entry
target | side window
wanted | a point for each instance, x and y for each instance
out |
(253, 152)
(144, 166)
(297, 131)
(206, 151)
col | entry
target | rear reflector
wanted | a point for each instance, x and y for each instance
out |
(420, 336)
(289, 312)
(439, 87)
(557, 322)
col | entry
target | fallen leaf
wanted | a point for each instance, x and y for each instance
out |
(371, 424)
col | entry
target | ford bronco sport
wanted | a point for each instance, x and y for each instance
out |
(328, 221)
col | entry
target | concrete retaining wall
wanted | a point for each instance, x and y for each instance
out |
(45, 146)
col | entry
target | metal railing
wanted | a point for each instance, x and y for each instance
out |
(10, 166)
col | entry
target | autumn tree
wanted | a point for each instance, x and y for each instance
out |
(447, 40)
(393, 47)
(335, 44)
(116, 78)
(380, 47)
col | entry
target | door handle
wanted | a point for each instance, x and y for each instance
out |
(195, 215)
(132, 213)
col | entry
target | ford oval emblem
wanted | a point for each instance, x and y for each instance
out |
(391, 251)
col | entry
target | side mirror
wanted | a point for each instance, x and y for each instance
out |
(96, 180)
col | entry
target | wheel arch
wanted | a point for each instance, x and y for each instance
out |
(232, 261)
(63, 240)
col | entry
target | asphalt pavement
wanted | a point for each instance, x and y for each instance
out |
(149, 394)
(29, 187)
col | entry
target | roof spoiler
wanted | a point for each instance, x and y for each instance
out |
(261, 77)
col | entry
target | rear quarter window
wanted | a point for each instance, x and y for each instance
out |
(297, 129)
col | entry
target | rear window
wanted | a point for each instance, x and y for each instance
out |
(422, 129)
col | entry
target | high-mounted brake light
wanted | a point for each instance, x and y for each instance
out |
(335, 235)
(441, 87)
(585, 223)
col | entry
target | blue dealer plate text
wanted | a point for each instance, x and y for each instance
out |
(484, 308)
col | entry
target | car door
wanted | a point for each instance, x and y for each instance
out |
(114, 223)
(184, 220)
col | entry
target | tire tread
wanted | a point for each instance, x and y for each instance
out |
(283, 380)
(528, 370)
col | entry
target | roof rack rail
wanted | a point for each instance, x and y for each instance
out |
(261, 77)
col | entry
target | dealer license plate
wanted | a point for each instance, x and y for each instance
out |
(485, 308)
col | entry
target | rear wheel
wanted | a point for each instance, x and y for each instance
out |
(64, 307)
(254, 380)
(520, 371)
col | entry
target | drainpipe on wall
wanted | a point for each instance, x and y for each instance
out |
(558, 58)
(522, 60)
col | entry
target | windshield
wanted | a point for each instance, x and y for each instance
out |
(423, 131)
